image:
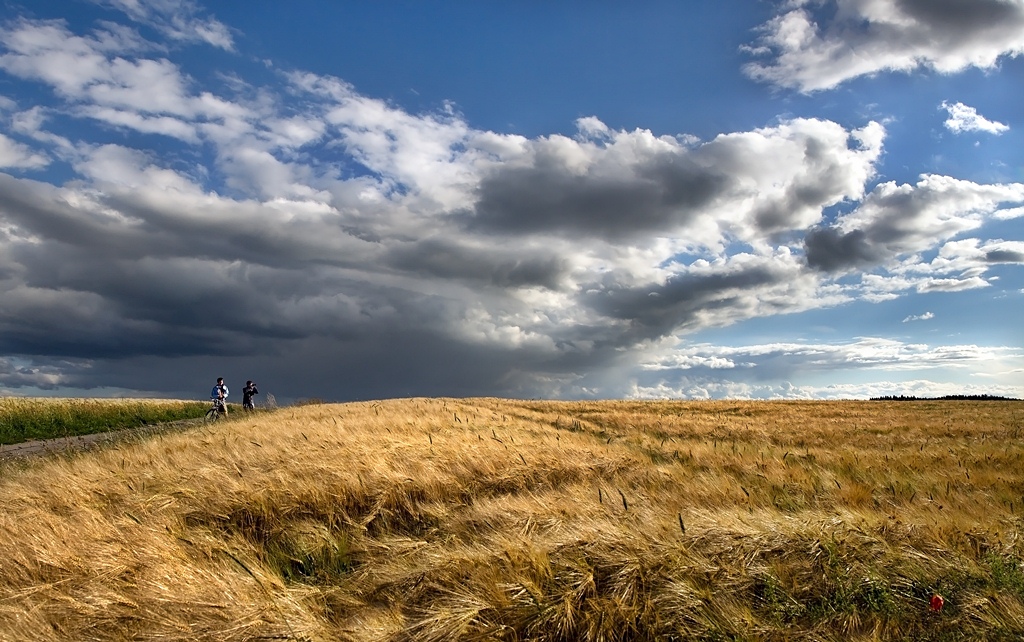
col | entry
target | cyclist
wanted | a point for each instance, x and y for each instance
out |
(247, 394)
(219, 395)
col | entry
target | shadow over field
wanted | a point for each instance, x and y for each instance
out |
(442, 519)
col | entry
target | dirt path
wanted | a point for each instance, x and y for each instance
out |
(84, 442)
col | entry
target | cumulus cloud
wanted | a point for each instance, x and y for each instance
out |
(634, 183)
(895, 220)
(812, 46)
(967, 119)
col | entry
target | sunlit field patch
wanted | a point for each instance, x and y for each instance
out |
(442, 519)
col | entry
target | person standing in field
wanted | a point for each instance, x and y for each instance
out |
(248, 392)
(219, 394)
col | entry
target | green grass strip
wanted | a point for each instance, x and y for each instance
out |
(22, 419)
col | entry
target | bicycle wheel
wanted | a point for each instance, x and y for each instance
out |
(212, 414)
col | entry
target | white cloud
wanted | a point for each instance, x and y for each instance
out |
(15, 155)
(1009, 213)
(48, 51)
(92, 70)
(952, 284)
(865, 353)
(725, 389)
(817, 46)
(592, 128)
(919, 317)
(31, 124)
(958, 266)
(175, 19)
(693, 370)
(163, 125)
(966, 119)
(972, 255)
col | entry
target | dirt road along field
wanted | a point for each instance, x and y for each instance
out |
(37, 447)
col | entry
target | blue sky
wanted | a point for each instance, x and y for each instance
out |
(355, 200)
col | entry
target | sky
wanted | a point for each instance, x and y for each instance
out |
(340, 200)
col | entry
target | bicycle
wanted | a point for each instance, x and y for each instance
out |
(216, 411)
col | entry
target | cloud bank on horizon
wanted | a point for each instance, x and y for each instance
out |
(163, 223)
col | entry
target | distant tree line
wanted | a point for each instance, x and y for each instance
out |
(944, 398)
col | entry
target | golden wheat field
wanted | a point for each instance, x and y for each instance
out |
(490, 519)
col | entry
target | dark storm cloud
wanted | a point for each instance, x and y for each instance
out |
(104, 286)
(245, 231)
(548, 196)
(1004, 256)
(39, 209)
(384, 360)
(68, 323)
(134, 272)
(497, 267)
(656, 311)
(102, 307)
(831, 250)
(147, 283)
(955, 18)
(141, 229)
